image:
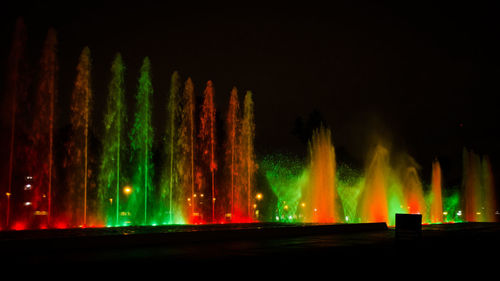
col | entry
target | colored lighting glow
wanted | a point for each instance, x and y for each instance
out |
(127, 190)
(19, 226)
(217, 176)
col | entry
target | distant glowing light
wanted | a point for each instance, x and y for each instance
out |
(303, 205)
(445, 213)
(27, 203)
(259, 196)
(346, 218)
(459, 213)
(127, 190)
(27, 187)
(478, 213)
(7, 194)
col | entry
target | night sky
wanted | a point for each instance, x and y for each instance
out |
(423, 78)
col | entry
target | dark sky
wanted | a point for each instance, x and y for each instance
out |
(422, 77)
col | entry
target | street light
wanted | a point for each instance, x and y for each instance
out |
(127, 190)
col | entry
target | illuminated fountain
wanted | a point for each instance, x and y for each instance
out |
(378, 193)
(206, 172)
(232, 152)
(373, 203)
(287, 177)
(412, 189)
(436, 205)
(479, 190)
(489, 207)
(192, 177)
(113, 143)
(138, 202)
(187, 152)
(76, 164)
(171, 174)
(15, 91)
(320, 195)
(247, 166)
(34, 200)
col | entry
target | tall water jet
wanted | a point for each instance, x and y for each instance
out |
(478, 188)
(141, 138)
(436, 204)
(320, 194)
(207, 145)
(77, 147)
(186, 143)
(472, 185)
(170, 178)
(40, 156)
(15, 90)
(233, 149)
(373, 205)
(412, 188)
(249, 166)
(110, 164)
(489, 194)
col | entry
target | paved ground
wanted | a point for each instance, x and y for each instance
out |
(272, 245)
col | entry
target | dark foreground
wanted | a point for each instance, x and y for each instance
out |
(446, 245)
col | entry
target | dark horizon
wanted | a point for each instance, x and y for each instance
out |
(422, 78)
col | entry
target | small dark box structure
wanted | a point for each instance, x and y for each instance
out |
(408, 226)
